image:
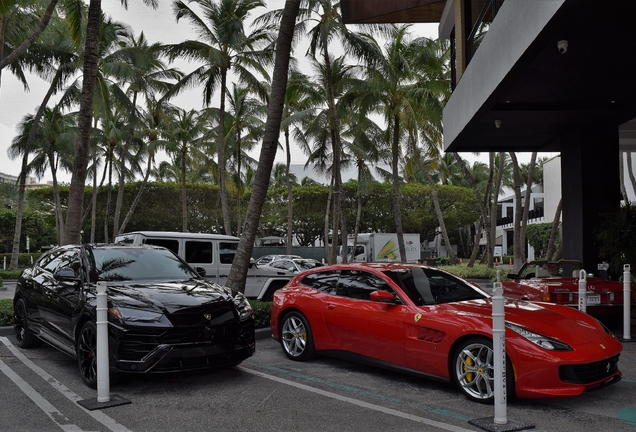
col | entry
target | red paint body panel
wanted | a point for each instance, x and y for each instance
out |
(423, 337)
(555, 283)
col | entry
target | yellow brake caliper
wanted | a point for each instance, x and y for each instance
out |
(469, 362)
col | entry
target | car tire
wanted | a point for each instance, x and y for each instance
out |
(24, 337)
(473, 371)
(86, 351)
(296, 337)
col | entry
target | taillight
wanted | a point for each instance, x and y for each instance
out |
(546, 297)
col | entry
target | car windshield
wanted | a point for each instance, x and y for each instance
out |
(426, 286)
(543, 269)
(130, 264)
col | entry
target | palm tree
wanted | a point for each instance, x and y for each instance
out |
(300, 96)
(82, 157)
(223, 47)
(399, 89)
(142, 71)
(238, 273)
(52, 148)
(182, 136)
(244, 128)
(61, 48)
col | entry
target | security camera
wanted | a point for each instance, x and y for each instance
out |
(562, 45)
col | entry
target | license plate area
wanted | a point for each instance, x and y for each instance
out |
(593, 299)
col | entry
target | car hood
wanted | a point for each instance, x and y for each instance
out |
(168, 297)
(547, 319)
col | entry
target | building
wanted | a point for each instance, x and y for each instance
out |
(546, 76)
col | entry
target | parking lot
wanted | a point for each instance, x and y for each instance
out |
(41, 389)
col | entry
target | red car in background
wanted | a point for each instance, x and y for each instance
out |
(558, 282)
(425, 321)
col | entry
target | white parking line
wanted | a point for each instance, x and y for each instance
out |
(98, 415)
(357, 402)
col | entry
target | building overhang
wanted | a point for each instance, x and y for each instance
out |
(520, 81)
(395, 11)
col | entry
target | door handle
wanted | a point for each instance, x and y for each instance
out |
(331, 306)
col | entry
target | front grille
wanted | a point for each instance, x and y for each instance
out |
(192, 328)
(590, 372)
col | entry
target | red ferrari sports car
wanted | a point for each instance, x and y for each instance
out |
(425, 321)
(558, 282)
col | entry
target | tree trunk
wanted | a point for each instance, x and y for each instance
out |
(397, 212)
(122, 171)
(518, 246)
(80, 163)
(238, 272)
(220, 148)
(621, 176)
(289, 195)
(495, 198)
(184, 190)
(526, 208)
(554, 231)
(336, 149)
(59, 217)
(24, 46)
(24, 171)
(326, 229)
(482, 209)
(135, 202)
(630, 171)
(356, 228)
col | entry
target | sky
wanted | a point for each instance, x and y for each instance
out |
(159, 26)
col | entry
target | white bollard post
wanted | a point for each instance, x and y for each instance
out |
(499, 350)
(582, 291)
(627, 300)
(103, 379)
(4, 263)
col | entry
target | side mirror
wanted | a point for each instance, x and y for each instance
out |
(66, 274)
(382, 296)
(201, 271)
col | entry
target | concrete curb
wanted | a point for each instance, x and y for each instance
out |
(263, 333)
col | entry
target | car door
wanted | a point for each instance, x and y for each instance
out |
(63, 296)
(362, 326)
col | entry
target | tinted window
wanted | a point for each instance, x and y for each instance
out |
(429, 286)
(359, 284)
(227, 252)
(198, 252)
(173, 245)
(322, 281)
(128, 264)
(68, 258)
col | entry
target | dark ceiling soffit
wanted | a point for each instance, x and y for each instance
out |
(395, 11)
(552, 94)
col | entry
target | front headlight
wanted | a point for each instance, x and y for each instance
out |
(243, 307)
(542, 341)
(134, 314)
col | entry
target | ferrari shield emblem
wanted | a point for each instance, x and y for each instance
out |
(417, 317)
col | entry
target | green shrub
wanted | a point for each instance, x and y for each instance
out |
(6, 312)
(262, 313)
(478, 271)
(9, 274)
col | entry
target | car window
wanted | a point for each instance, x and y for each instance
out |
(359, 284)
(426, 286)
(129, 264)
(227, 251)
(322, 281)
(173, 245)
(48, 260)
(199, 252)
(67, 258)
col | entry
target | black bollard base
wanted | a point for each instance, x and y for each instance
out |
(488, 423)
(92, 404)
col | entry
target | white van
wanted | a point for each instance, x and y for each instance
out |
(212, 252)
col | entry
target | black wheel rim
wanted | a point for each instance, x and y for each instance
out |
(19, 322)
(86, 354)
